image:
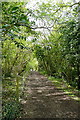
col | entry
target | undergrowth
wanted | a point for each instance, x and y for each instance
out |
(62, 84)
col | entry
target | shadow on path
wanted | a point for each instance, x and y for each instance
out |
(41, 99)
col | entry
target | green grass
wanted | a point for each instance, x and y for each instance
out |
(63, 85)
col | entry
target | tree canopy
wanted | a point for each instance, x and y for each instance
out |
(57, 52)
(46, 38)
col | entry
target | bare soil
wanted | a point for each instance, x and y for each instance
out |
(41, 99)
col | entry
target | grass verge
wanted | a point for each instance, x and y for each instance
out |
(63, 85)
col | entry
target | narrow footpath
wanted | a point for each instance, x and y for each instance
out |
(41, 99)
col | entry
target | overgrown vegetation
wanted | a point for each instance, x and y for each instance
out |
(17, 55)
(25, 46)
(58, 53)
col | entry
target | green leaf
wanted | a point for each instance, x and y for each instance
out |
(14, 8)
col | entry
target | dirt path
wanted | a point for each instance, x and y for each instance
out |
(41, 99)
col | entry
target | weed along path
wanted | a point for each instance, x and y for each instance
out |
(41, 99)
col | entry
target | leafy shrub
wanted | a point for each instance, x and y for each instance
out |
(11, 110)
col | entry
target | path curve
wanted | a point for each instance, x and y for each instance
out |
(41, 99)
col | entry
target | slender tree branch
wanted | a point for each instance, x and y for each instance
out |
(78, 3)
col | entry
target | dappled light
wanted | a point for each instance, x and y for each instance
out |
(45, 98)
(40, 62)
